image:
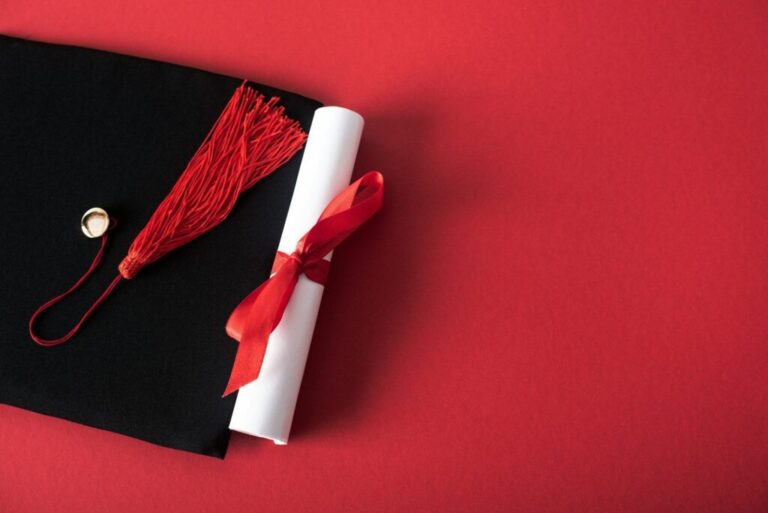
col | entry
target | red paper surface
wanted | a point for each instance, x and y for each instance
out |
(562, 305)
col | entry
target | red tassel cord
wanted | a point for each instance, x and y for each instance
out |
(251, 139)
(45, 306)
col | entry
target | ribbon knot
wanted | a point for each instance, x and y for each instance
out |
(260, 312)
(316, 269)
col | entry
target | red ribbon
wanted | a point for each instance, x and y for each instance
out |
(260, 312)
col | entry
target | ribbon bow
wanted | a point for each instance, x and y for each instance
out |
(260, 312)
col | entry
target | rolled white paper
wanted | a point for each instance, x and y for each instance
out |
(265, 407)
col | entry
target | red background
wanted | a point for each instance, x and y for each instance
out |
(562, 306)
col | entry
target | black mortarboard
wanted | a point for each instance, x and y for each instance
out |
(83, 128)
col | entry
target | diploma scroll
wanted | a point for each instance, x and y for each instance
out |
(265, 407)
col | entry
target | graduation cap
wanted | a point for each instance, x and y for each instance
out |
(156, 155)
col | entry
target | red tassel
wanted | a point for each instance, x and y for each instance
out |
(251, 139)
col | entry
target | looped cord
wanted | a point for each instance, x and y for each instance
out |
(94, 264)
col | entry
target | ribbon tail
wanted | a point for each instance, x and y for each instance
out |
(239, 316)
(254, 320)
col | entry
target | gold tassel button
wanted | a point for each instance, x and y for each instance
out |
(95, 223)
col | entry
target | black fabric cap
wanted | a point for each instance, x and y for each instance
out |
(81, 128)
